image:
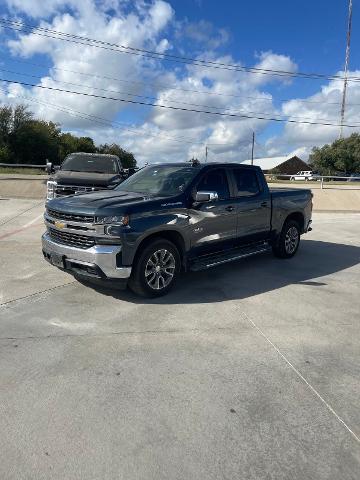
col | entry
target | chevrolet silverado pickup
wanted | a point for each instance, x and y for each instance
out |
(169, 218)
(85, 172)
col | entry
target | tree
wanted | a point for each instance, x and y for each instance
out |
(35, 141)
(342, 156)
(70, 143)
(11, 120)
(24, 139)
(85, 144)
(21, 116)
(127, 158)
(6, 115)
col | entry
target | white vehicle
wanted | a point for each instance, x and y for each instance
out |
(304, 175)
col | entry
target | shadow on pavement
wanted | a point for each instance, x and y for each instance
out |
(252, 276)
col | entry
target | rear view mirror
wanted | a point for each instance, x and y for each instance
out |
(202, 197)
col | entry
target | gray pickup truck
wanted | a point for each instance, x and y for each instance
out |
(169, 218)
(85, 172)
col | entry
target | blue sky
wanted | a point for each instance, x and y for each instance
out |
(303, 36)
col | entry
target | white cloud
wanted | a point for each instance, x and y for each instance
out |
(203, 33)
(36, 9)
(272, 61)
(134, 28)
(148, 25)
(322, 107)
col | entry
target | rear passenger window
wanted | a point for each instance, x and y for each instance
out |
(246, 183)
(215, 181)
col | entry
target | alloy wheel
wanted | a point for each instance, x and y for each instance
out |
(160, 269)
(291, 240)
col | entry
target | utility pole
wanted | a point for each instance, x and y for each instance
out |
(347, 56)
(206, 153)
(252, 148)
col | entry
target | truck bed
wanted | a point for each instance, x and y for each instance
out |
(284, 200)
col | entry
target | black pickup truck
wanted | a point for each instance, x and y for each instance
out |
(85, 172)
(169, 218)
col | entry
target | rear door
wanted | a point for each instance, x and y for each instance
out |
(253, 205)
(214, 224)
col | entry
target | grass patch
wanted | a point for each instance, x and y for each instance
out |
(22, 171)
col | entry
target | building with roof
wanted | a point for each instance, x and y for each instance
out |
(286, 164)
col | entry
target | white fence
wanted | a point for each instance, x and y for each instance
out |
(323, 179)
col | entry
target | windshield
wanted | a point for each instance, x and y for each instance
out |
(89, 163)
(160, 180)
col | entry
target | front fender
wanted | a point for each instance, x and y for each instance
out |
(144, 226)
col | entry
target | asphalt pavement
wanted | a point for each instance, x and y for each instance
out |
(247, 371)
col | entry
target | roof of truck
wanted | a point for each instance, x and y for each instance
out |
(200, 165)
(109, 155)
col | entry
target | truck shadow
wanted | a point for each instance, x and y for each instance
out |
(253, 276)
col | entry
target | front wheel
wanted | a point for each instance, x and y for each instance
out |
(288, 241)
(155, 270)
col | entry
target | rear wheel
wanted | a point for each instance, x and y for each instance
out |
(155, 270)
(288, 241)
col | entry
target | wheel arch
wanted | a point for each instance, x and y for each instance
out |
(297, 217)
(172, 236)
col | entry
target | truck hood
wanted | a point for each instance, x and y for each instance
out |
(86, 178)
(107, 202)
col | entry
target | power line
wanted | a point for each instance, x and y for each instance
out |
(104, 121)
(169, 87)
(242, 110)
(136, 102)
(58, 35)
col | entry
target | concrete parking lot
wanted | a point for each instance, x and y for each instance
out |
(247, 371)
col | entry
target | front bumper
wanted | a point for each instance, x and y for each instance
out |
(98, 261)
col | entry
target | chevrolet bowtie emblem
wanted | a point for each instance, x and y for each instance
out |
(59, 224)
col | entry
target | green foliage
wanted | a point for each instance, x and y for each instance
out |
(127, 159)
(34, 141)
(342, 156)
(24, 139)
(69, 144)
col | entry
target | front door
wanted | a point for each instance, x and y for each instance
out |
(213, 225)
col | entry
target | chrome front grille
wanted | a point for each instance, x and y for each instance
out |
(71, 239)
(65, 190)
(72, 217)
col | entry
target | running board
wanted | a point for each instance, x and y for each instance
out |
(225, 257)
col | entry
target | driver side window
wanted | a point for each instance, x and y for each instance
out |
(215, 181)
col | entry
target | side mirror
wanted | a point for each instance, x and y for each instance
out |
(202, 197)
(49, 167)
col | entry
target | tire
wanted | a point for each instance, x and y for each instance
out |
(155, 269)
(289, 240)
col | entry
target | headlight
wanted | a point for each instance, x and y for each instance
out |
(113, 220)
(50, 189)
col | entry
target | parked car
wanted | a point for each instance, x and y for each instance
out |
(304, 175)
(172, 217)
(85, 172)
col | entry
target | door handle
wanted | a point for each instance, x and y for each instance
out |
(264, 204)
(230, 208)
